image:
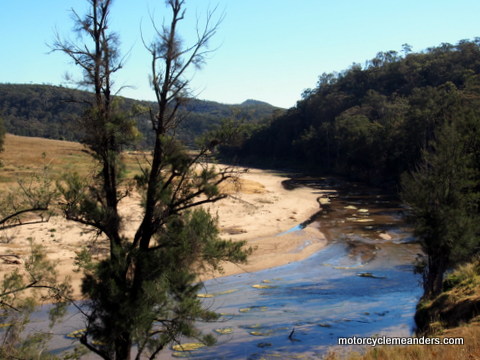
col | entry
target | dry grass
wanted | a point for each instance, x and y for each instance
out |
(24, 156)
(470, 350)
(456, 305)
(244, 186)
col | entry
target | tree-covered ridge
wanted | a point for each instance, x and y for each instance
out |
(372, 121)
(53, 112)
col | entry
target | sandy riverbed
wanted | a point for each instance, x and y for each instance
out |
(256, 212)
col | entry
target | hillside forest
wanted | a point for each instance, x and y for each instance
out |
(53, 112)
(372, 122)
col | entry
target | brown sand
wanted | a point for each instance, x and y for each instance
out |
(259, 211)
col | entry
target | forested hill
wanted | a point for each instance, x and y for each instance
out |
(373, 121)
(52, 112)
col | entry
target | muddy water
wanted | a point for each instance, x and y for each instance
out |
(361, 284)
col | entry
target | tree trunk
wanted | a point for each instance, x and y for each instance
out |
(123, 347)
(434, 280)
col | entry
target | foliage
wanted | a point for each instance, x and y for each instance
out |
(20, 292)
(455, 305)
(465, 275)
(37, 281)
(443, 191)
(54, 112)
(32, 195)
(370, 122)
(143, 293)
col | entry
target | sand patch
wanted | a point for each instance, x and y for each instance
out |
(257, 209)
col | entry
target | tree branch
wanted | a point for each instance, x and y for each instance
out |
(20, 212)
(102, 354)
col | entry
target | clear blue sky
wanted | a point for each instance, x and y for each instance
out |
(269, 50)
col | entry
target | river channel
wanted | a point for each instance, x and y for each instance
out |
(361, 284)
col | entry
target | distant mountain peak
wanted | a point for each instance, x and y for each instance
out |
(254, 102)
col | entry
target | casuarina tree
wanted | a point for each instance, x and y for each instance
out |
(142, 295)
(443, 195)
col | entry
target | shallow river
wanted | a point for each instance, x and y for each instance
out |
(361, 284)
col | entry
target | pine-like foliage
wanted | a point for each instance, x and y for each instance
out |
(443, 194)
(143, 294)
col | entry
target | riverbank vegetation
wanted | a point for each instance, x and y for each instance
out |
(457, 304)
(443, 197)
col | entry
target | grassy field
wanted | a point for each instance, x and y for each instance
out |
(24, 156)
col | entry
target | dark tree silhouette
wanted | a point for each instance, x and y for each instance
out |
(143, 294)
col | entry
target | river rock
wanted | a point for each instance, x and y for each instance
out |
(324, 201)
(370, 275)
(385, 236)
(363, 220)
